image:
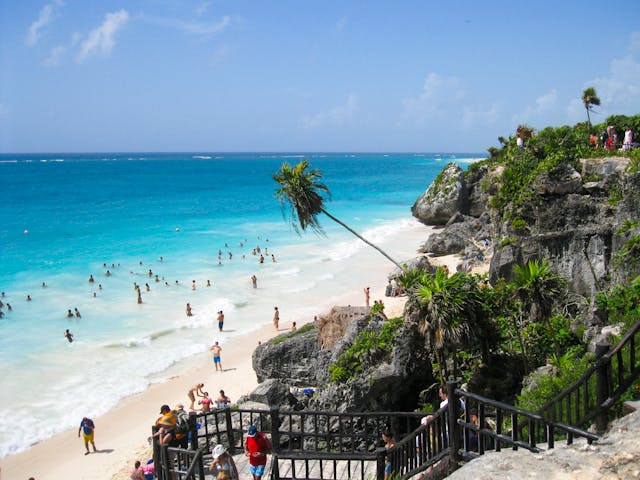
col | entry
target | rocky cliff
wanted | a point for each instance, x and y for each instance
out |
(574, 220)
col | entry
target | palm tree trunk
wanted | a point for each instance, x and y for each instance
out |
(362, 238)
(588, 122)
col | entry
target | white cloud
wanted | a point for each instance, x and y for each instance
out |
(334, 117)
(341, 24)
(634, 42)
(220, 54)
(544, 104)
(202, 8)
(473, 117)
(101, 39)
(620, 90)
(439, 95)
(193, 27)
(46, 16)
(56, 53)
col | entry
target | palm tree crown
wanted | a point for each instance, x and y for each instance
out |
(589, 99)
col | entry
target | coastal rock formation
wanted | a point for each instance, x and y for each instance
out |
(444, 197)
(387, 381)
(577, 220)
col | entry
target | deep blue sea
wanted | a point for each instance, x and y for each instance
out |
(64, 217)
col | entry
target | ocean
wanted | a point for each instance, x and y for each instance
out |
(171, 221)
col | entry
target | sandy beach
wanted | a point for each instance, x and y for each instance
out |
(121, 434)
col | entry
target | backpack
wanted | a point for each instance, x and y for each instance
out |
(182, 422)
(265, 443)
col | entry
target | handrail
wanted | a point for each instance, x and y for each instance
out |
(352, 436)
(595, 392)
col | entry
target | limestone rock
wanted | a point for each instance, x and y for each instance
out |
(444, 197)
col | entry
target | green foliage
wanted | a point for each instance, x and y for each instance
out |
(622, 303)
(285, 336)
(630, 251)
(544, 152)
(615, 195)
(367, 345)
(377, 307)
(518, 224)
(507, 241)
(627, 226)
(568, 368)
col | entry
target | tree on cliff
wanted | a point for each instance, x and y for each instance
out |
(449, 306)
(589, 99)
(300, 189)
(537, 289)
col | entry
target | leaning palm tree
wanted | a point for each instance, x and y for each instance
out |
(300, 189)
(589, 99)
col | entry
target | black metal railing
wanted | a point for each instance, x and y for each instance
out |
(344, 445)
(592, 396)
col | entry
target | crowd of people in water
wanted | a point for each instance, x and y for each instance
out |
(260, 253)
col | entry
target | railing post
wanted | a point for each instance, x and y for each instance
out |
(602, 386)
(275, 429)
(230, 436)
(156, 454)
(455, 442)
(166, 463)
(380, 463)
(193, 430)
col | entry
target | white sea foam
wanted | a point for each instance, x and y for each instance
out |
(202, 157)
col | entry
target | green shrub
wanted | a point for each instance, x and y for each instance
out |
(367, 345)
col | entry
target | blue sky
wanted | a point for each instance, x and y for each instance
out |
(294, 75)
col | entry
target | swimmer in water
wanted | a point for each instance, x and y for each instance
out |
(68, 335)
(69, 313)
(77, 313)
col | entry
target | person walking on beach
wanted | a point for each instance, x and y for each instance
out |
(276, 317)
(216, 349)
(220, 320)
(87, 427)
(189, 313)
(256, 447)
(193, 391)
(367, 296)
(254, 281)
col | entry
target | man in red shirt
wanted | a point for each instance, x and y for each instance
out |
(256, 448)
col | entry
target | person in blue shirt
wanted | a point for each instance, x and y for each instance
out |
(87, 428)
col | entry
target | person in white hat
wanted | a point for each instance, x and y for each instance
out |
(223, 462)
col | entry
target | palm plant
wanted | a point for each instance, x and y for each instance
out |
(536, 289)
(301, 189)
(589, 99)
(448, 307)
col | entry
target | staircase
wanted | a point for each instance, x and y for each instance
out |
(331, 445)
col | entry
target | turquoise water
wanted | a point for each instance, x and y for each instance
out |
(64, 217)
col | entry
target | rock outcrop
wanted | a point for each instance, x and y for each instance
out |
(444, 197)
(573, 220)
(387, 381)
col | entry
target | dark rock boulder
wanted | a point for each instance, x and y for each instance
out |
(444, 197)
(291, 358)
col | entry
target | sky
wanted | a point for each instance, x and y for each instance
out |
(306, 75)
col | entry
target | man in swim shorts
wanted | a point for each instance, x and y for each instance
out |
(87, 428)
(216, 349)
(220, 320)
